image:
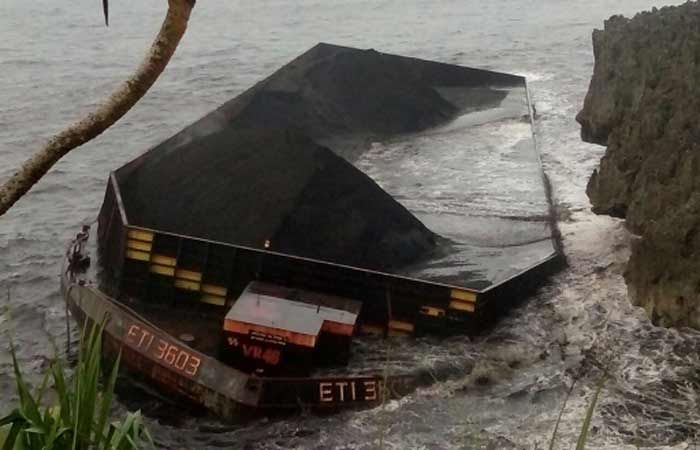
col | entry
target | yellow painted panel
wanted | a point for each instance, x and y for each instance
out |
(187, 285)
(137, 255)
(163, 260)
(398, 325)
(432, 311)
(141, 235)
(139, 245)
(163, 270)
(463, 295)
(462, 306)
(213, 300)
(371, 329)
(188, 275)
(214, 290)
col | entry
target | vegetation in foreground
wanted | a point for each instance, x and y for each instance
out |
(80, 417)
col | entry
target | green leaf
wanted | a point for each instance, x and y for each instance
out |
(79, 419)
(13, 417)
(64, 397)
(122, 431)
(583, 437)
(11, 441)
(55, 431)
(42, 388)
(28, 406)
(109, 437)
(87, 388)
(128, 433)
(147, 436)
(106, 405)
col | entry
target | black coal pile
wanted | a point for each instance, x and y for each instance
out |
(331, 92)
(258, 169)
(252, 186)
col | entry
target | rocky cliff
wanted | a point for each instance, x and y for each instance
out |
(643, 103)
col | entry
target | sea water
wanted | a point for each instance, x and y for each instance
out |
(58, 60)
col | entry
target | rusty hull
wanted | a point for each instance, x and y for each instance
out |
(200, 379)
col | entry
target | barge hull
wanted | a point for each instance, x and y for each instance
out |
(190, 375)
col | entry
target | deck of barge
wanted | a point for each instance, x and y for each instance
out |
(468, 169)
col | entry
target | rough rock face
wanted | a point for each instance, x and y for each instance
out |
(644, 104)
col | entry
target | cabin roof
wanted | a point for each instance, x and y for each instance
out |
(270, 306)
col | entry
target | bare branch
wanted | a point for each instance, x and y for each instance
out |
(118, 104)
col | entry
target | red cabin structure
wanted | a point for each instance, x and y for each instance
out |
(272, 329)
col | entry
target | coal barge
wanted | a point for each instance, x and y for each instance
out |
(243, 253)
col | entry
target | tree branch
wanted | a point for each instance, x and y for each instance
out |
(118, 104)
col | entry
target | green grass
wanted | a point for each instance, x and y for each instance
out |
(80, 419)
(586, 425)
(561, 413)
(583, 436)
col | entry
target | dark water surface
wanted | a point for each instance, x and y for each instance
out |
(57, 60)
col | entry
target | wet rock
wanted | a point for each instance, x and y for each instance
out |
(642, 104)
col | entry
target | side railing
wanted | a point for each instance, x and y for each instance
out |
(188, 272)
